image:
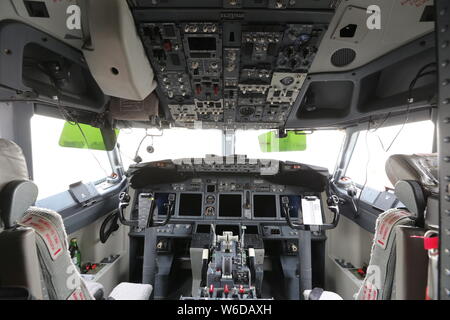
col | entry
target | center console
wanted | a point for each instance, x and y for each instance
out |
(225, 225)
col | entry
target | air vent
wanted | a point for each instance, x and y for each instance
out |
(36, 9)
(343, 57)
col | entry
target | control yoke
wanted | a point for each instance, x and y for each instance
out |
(170, 205)
(333, 205)
(124, 201)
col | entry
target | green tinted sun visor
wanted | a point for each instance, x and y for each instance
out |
(293, 141)
(83, 136)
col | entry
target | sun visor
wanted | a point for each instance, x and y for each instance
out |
(116, 56)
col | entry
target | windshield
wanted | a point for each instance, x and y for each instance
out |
(322, 146)
(173, 143)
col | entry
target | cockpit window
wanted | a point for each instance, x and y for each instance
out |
(319, 143)
(152, 145)
(56, 167)
(373, 148)
(168, 144)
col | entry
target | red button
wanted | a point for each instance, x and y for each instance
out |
(211, 288)
(167, 45)
(241, 289)
(226, 289)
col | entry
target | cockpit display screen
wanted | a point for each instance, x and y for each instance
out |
(190, 204)
(264, 206)
(230, 205)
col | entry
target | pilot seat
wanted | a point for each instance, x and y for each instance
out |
(34, 246)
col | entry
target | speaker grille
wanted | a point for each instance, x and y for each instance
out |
(343, 57)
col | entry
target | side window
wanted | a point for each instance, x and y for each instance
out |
(373, 148)
(56, 167)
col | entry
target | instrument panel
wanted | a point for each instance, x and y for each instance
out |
(228, 198)
(229, 204)
(226, 193)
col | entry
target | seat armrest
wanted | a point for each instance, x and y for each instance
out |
(95, 289)
(131, 291)
(320, 294)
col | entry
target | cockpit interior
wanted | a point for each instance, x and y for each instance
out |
(226, 150)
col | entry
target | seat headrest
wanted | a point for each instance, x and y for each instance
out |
(12, 163)
(17, 192)
(410, 193)
(415, 178)
(416, 167)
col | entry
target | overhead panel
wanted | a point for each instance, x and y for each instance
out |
(232, 74)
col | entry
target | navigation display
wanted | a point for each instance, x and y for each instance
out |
(264, 206)
(190, 204)
(230, 205)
